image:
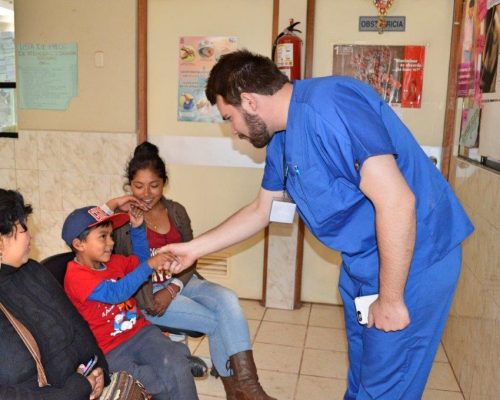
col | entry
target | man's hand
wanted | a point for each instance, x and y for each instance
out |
(162, 262)
(183, 256)
(388, 316)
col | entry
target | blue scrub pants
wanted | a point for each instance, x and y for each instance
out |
(396, 365)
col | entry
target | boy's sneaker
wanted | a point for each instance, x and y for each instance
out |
(198, 367)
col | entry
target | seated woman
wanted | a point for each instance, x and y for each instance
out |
(30, 293)
(187, 301)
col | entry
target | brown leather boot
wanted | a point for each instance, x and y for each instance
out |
(245, 373)
(230, 384)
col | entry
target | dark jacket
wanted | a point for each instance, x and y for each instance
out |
(123, 245)
(36, 299)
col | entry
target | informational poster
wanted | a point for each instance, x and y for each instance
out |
(48, 75)
(197, 56)
(395, 72)
(489, 145)
(469, 127)
(7, 57)
(489, 69)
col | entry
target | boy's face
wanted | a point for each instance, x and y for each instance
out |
(97, 247)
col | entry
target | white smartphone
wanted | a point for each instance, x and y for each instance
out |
(362, 304)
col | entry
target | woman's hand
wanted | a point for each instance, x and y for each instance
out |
(124, 203)
(96, 380)
(162, 299)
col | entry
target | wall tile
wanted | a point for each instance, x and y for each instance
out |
(51, 190)
(7, 159)
(28, 185)
(83, 152)
(117, 150)
(81, 190)
(49, 151)
(7, 178)
(26, 153)
(471, 338)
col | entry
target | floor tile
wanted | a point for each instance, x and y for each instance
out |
(203, 349)
(442, 378)
(210, 386)
(326, 339)
(277, 358)
(316, 388)
(324, 363)
(299, 316)
(280, 385)
(204, 397)
(441, 355)
(327, 316)
(302, 355)
(253, 326)
(432, 394)
(252, 309)
(280, 333)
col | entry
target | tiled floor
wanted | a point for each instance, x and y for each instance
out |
(301, 355)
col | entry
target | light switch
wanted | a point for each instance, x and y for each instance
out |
(99, 59)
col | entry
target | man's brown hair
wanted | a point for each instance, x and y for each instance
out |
(243, 71)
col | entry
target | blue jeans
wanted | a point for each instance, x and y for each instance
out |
(210, 308)
(158, 363)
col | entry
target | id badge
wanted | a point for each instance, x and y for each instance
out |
(282, 210)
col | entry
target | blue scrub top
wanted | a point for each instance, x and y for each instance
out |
(334, 124)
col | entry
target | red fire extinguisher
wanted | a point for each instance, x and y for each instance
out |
(286, 51)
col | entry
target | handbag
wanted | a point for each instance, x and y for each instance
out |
(123, 386)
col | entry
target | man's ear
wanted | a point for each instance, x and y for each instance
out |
(249, 102)
(77, 244)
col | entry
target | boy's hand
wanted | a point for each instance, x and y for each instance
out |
(136, 216)
(161, 262)
(124, 203)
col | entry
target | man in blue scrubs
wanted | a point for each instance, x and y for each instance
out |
(364, 187)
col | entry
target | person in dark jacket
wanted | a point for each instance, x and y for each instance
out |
(32, 295)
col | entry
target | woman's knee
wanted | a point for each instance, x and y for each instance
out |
(228, 298)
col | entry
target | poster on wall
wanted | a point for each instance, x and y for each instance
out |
(469, 125)
(197, 56)
(395, 72)
(489, 79)
(47, 75)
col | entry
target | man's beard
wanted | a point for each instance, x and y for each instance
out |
(258, 134)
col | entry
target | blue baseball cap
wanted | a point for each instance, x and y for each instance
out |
(87, 217)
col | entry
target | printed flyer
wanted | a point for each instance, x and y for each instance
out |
(395, 72)
(197, 56)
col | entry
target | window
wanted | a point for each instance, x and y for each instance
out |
(8, 115)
